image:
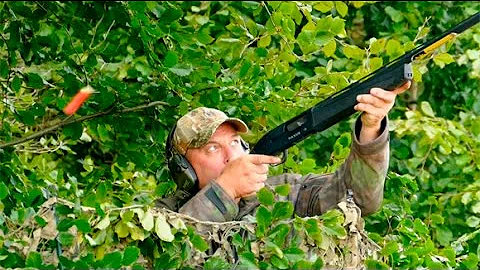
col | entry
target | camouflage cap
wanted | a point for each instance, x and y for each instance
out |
(195, 128)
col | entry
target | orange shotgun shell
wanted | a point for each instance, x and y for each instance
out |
(78, 100)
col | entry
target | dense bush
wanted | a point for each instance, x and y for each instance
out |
(81, 188)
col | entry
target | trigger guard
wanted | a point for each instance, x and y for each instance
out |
(284, 156)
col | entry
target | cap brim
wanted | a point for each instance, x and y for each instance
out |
(239, 125)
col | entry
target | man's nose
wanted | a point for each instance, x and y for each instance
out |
(231, 153)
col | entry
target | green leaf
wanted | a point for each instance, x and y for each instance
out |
(283, 190)
(199, 243)
(437, 219)
(279, 233)
(247, 260)
(121, 229)
(216, 262)
(263, 216)
(444, 236)
(426, 109)
(162, 229)
(420, 227)
(280, 263)
(264, 41)
(443, 59)
(337, 27)
(353, 52)
(136, 232)
(101, 192)
(130, 255)
(171, 14)
(304, 41)
(265, 196)
(104, 132)
(178, 224)
(282, 210)
(470, 262)
(83, 225)
(312, 228)
(473, 221)
(127, 216)
(111, 260)
(476, 207)
(244, 69)
(34, 80)
(91, 61)
(65, 238)
(375, 264)
(323, 6)
(16, 83)
(294, 254)
(4, 68)
(390, 248)
(65, 224)
(34, 260)
(375, 63)
(40, 221)
(147, 221)
(3, 191)
(27, 117)
(171, 59)
(394, 48)
(181, 70)
(377, 45)
(396, 15)
(329, 48)
(341, 8)
(73, 131)
(103, 224)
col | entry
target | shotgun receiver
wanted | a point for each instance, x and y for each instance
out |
(340, 105)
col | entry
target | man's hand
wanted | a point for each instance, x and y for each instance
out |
(375, 106)
(246, 175)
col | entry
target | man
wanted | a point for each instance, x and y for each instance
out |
(207, 156)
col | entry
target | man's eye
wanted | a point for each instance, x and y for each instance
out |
(235, 142)
(212, 148)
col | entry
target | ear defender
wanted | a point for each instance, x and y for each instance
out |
(180, 169)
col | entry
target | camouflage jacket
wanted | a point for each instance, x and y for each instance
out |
(363, 173)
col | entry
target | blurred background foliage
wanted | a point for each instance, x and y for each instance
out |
(264, 62)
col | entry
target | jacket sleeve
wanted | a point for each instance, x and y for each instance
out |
(211, 203)
(366, 169)
(363, 172)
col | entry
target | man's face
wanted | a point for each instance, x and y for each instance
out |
(209, 160)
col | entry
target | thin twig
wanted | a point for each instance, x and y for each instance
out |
(70, 120)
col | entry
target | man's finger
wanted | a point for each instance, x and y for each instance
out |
(402, 88)
(383, 95)
(380, 99)
(264, 159)
(370, 109)
(261, 169)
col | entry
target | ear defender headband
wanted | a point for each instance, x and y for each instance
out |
(180, 168)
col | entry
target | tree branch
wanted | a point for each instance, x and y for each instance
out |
(71, 120)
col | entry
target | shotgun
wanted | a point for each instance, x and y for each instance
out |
(340, 105)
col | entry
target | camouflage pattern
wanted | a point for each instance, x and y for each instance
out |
(363, 173)
(194, 129)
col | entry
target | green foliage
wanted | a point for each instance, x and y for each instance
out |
(264, 62)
